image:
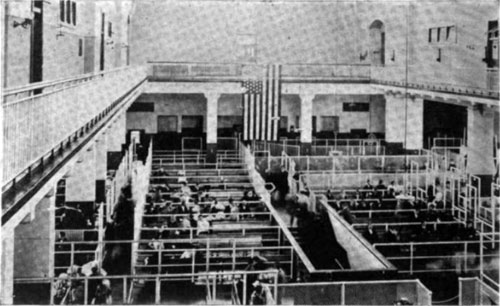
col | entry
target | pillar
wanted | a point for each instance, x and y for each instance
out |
(34, 241)
(81, 182)
(404, 124)
(480, 133)
(7, 267)
(306, 114)
(101, 160)
(212, 104)
(116, 137)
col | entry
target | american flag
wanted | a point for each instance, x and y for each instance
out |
(261, 105)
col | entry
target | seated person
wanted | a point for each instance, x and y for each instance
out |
(391, 235)
(216, 207)
(243, 208)
(362, 205)
(391, 190)
(195, 188)
(370, 234)
(368, 186)
(205, 198)
(438, 198)
(163, 187)
(203, 225)
(375, 204)
(187, 254)
(468, 233)
(346, 213)
(399, 188)
(342, 195)
(163, 233)
(250, 196)
(234, 210)
(184, 222)
(330, 195)
(380, 188)
(195, 207)
(432, 214)
(160, 172)
(155, 244)
(181, 209)
(185, 190)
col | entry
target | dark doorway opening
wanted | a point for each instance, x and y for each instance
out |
(36, 56)
(443, 120)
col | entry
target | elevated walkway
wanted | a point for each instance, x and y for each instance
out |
(31, 162)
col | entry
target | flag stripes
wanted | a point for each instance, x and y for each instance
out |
(261, 105)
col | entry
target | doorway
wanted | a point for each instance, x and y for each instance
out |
(377, 43)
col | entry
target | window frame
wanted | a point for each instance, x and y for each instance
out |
(68, 11)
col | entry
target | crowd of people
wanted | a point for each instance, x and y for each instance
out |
(399, 206)
(69, 289)
(196, 210)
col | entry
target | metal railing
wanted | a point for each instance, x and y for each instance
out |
(354, 293)
(450, 256)
(259, 186)
(473, 291)
(36, 124)
(162, 71)
(447, 142)
(420, 81)
(121, 285)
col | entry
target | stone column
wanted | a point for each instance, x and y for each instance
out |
(415, 129)
(212, 104)
(116, 137)
(404, 124)
(81, 182)
(7, 267)
(480, 132)
(101, 164)
(306, 113)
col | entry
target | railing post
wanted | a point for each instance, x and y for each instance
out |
(465, 256)
(157, 290)
(86, 292)
(72, 250)
(125, 290)
(342, 294)
(245, 279)
(159, 261)
(411, 258)
(52, 293)
(276, 288)
(207, 256)
(214, 289)
(481, 254)
(234, 255)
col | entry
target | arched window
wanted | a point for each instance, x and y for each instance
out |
(377, 43)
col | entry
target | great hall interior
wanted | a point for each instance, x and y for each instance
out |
(250, 152)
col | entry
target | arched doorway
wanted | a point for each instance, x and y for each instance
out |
(377, 43)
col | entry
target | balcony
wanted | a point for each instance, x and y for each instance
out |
(47, 123)
(237, 72)
(324, 73)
